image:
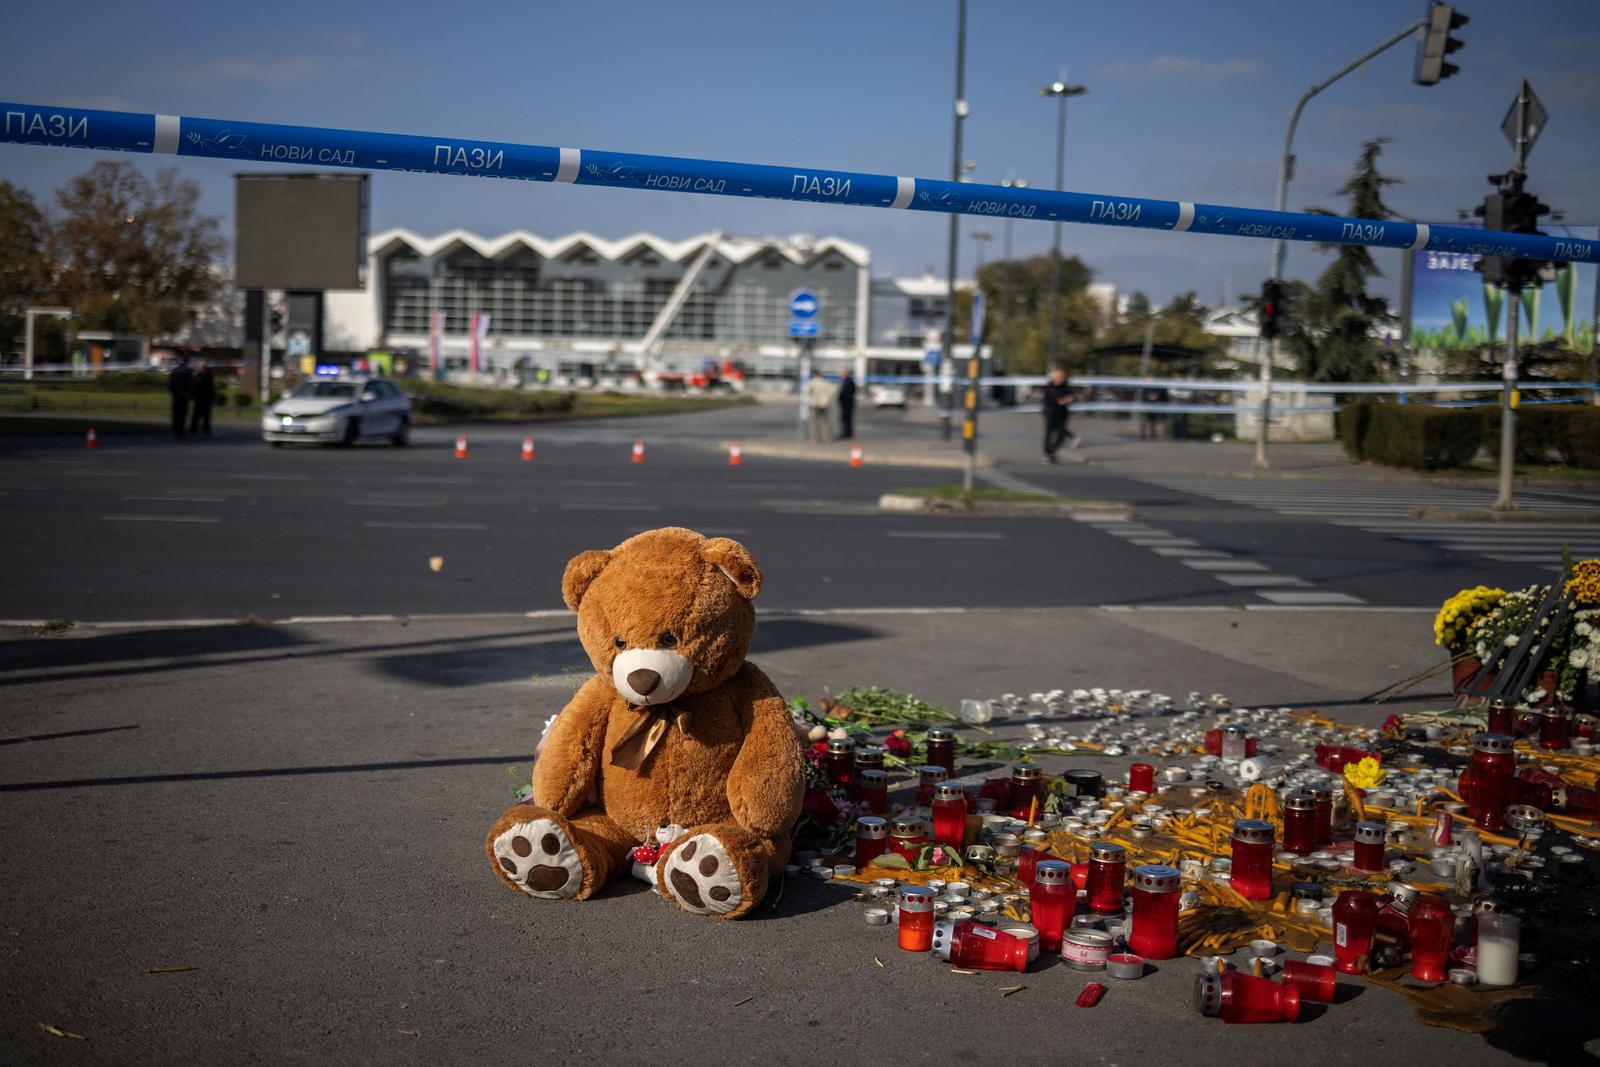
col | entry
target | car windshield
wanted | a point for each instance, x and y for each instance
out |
(326, 391)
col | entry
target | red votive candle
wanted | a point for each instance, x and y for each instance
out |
(1502, 720)
(873, 789)
(928, 779)
(949, 814)
(1251, 873)
(1141, 778)
(969, 944)
(1314, 980)
(841, 762)
(1369, 846)
(1355, 918)
(1027, 789)
(1300, 824)
(906, 838)
(1432, 923)
(916, 918)
(1323, 795)
(1235, 997)
(1153, 932)
(1051, 902)
(872, 837)
(1034, 845)
(1108, 876)
(1554, 729)
(1488, 784)
(942, 748)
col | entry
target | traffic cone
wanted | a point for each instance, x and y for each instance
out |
(855, 455)
(461, 447)
(527, 449)
(91, 441)
(638, 451)
(735, 455)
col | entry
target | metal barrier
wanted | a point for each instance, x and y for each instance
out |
(259, 142)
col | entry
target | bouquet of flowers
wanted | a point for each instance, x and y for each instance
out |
(1453, 626)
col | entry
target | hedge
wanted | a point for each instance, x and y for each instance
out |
(1412, 435)
(1580, 447)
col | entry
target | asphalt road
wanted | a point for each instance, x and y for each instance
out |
(148, 528)
(263, 844)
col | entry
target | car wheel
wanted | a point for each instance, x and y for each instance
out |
(402, 433)
(275, 444)
(352, 431)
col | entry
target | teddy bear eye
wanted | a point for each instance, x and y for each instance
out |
(667, 641)
(619, 642)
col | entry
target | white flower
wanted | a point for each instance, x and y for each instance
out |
(1579, 658)
(1511, 639)
(1584, 629)
(1533, 696)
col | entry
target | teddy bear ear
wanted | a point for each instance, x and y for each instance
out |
(733, 560)
(581, 571)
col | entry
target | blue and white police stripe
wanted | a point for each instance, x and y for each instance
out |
(259, 142)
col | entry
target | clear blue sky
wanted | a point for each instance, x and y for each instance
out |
(1188, 101)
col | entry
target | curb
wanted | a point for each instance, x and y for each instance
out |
(902, 502)
(886, 457)
(1490, 515)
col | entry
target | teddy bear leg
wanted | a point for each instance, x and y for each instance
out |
(539, 853)
(719, 869)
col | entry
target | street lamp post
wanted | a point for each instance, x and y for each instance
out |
(981, 238)
(1060, 90)
(1010, 183)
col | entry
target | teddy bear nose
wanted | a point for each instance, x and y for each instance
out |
(643, 681)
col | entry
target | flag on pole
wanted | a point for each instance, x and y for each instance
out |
(480, 331)
(435, 339)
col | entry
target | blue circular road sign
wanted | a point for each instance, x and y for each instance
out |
(803, 304)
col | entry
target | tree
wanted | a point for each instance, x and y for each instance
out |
(23, 231)
(1331, 324)
(1017, 293)
(1181, 324)
(131, 255)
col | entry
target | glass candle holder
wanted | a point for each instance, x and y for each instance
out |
(916, 918)
(1051, 902)
(1153, 932)
(1499, 941)
(1502, 720)
(1007, 854)
(1251, 872)
(983, 948)
(1235, 997)
(1027, 791)
(949, 814)
(841, 762)
(942, 748)
(1235, 742)
(1300, 824)
(1369, 846)
(1141, 778)
(1432, 923)
(1355, 920)
(1315, 981)
(928, 779)
(872, 788)
(1108, 876)
(1323, 795)
(1554, 728)
(906, 838)
(872, 838)
(1488, 784)
(1584, 727)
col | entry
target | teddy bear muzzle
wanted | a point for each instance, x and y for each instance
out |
(651, 675)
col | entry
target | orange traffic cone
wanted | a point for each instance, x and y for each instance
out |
(855, 455)
(461, 447)
(91, 441)
(527, 449)
(735, 455)
(638, 451)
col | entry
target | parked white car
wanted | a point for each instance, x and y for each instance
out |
(886, 396)
(339, 410)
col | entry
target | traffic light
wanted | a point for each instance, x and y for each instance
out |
(1440, 21)
(1510, 210)
(1271, 309)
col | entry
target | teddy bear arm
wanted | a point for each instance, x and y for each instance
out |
(568, 765)
(767, 782)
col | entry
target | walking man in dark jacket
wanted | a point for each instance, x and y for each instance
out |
(202, 395)
(847, 406)
(1056, 405)
(179, 383)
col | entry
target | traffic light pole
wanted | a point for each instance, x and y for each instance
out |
(1508, 409)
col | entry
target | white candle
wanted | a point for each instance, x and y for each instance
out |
(1499, 940)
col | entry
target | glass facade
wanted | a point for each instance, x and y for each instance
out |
(585, 295)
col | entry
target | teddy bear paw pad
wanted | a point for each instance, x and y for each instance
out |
(702, 876)
(539, 860)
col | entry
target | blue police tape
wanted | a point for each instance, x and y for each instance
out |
(260, 142)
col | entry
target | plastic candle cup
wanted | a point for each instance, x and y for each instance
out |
(1235, 997)
(873, 789)
(872, 837)
(1027, 785)
(1324, 811)
(1314, 981)
(1300, 824)
(1153, 933)
(1051, 902)
(1499, 941)
(969, 944)
(1235, 742)
(1141, 778)
(1355, 919)
(1369, 846)
(928, 779)
(1108, 876)
(949, 814)
(1554, 729)
(1488, 784)
(916, 918)
(1034, 843)
(906, 838)
(1251, 871)
(1432, 923)
(942, 748)
(841, 762)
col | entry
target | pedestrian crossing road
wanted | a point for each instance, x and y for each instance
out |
(1317, 499)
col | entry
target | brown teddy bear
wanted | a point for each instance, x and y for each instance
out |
(675, 727)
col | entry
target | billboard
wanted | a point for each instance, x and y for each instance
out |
(300, 231)
(1451, 308)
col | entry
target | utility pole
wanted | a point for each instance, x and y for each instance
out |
(969, 425)
(1060, 90)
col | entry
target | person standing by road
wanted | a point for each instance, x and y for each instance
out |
(1056, 405)
(202, 395)
(847, 407)
(179, 383)
(820, 395)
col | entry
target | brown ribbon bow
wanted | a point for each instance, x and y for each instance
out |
(644, 734)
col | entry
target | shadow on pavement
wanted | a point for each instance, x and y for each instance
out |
(266, 772)
(65, 733)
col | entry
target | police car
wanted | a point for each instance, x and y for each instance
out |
(339, 411)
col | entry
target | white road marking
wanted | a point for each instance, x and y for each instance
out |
(103, 473)
(398, 502)
(173, 498)
(1248, 580)
(425, 526)
(269, 477)
(1191, 553)
(605, 482)
(1222, 565)
(160, 518)
(1302, 599)
(436, 481)
(948, 535)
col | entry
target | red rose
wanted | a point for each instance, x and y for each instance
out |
(897, 744)
(821, 808)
